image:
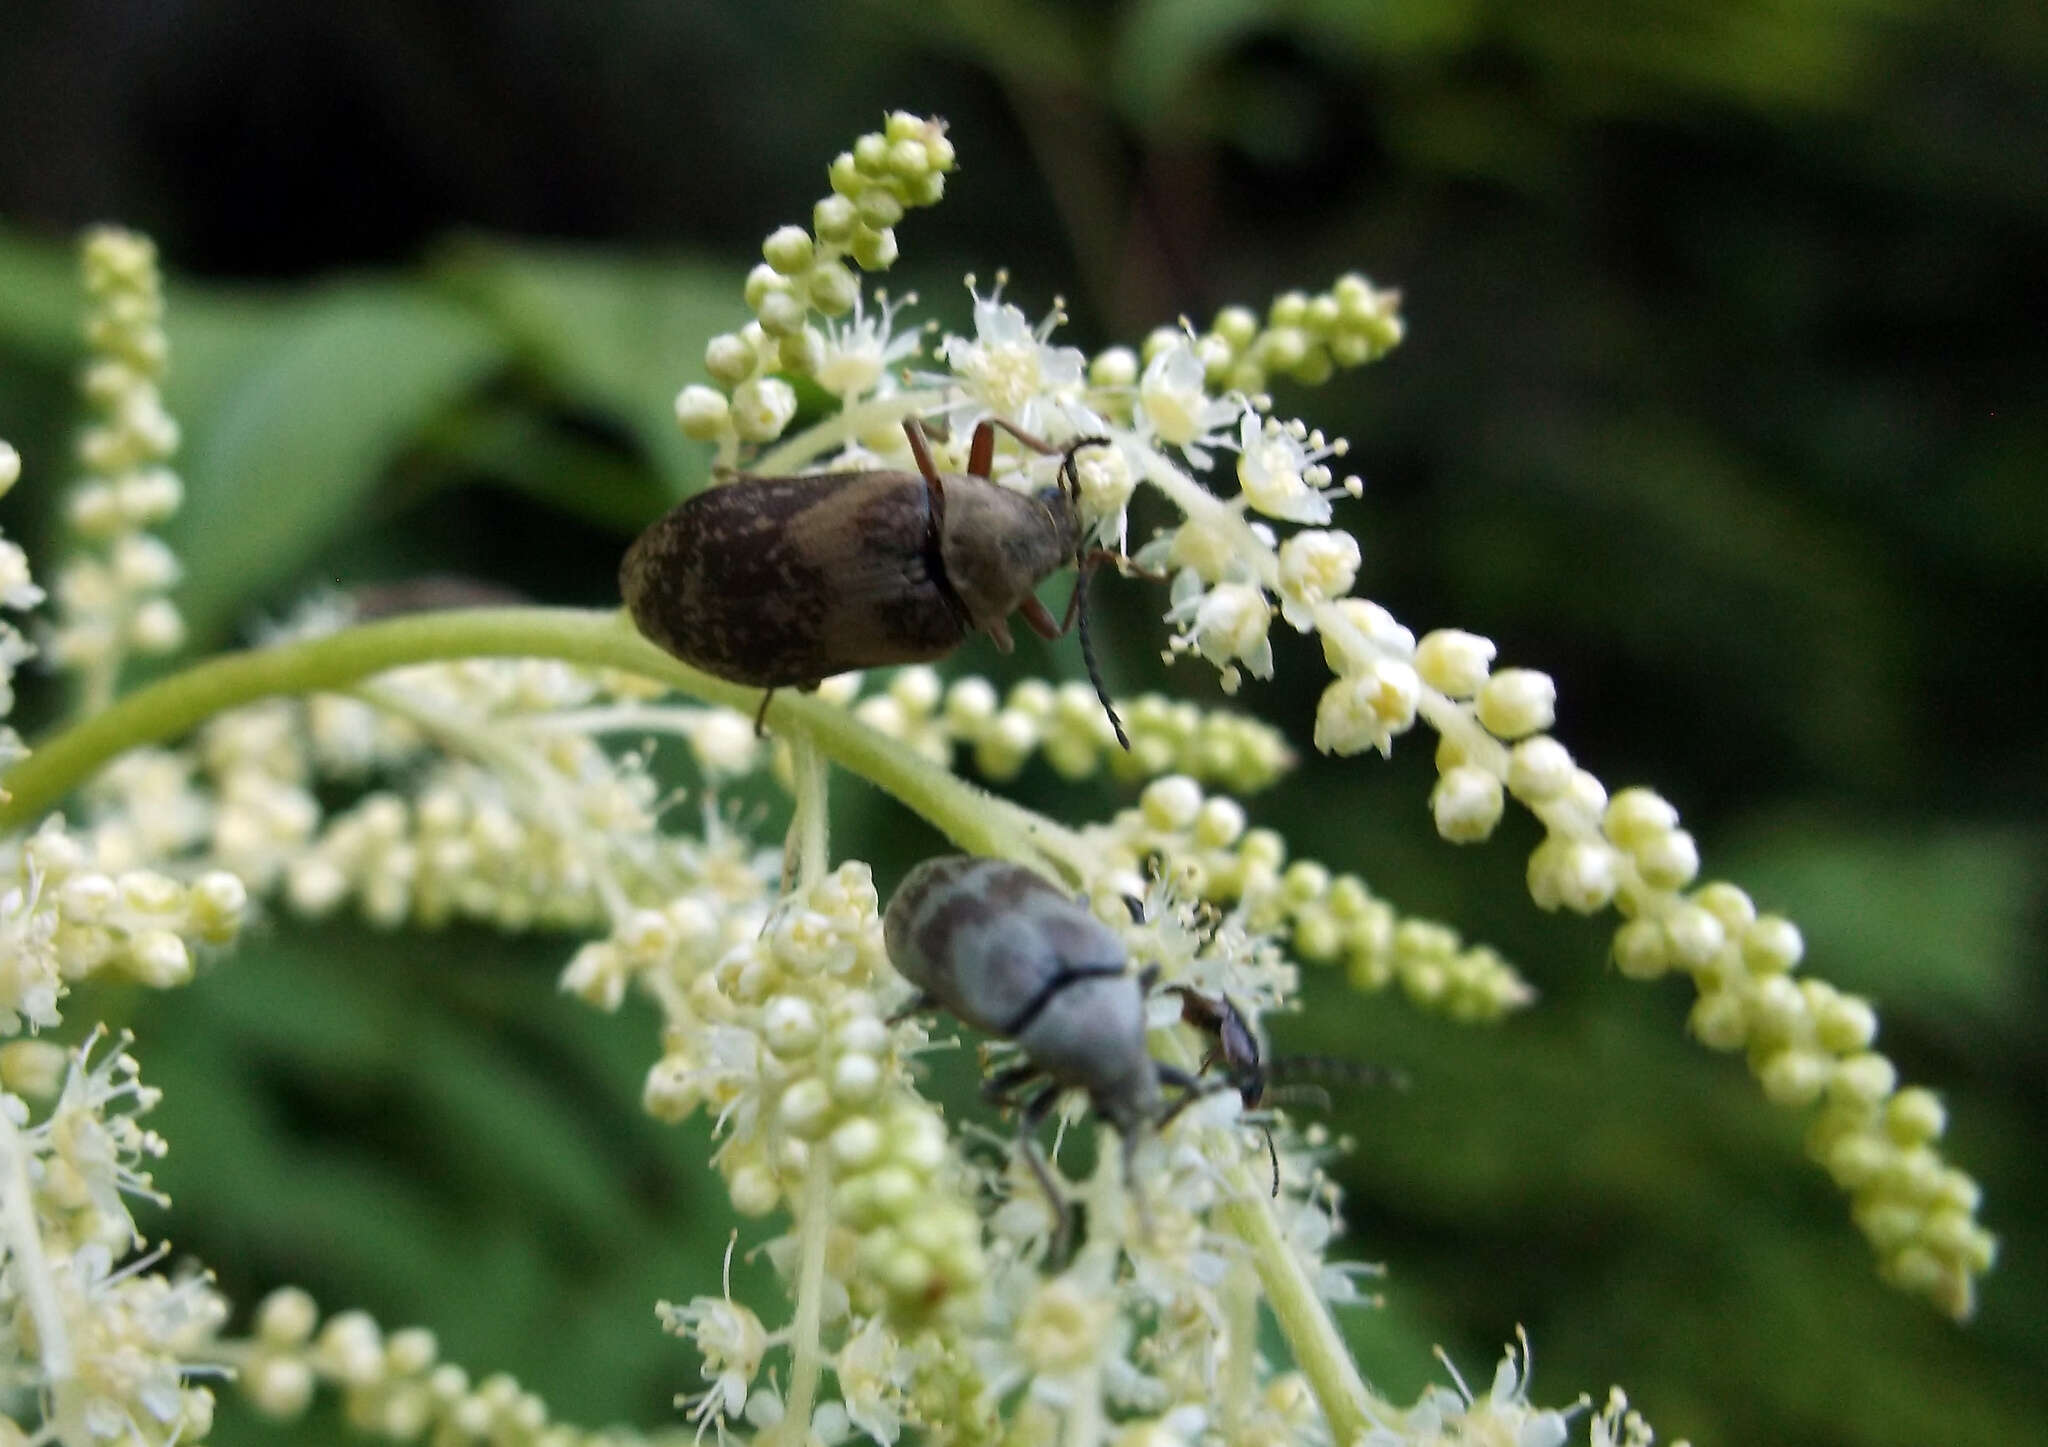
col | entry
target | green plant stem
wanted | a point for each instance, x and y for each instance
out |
(808, 854)
(1348, 1405)
(974, 819)
(806, 1352)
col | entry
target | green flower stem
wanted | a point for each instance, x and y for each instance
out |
(172, 707)
(806, 1355)
(808, 853)
(839, 428)
(1348, 1405)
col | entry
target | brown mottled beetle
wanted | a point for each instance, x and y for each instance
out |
(782, 582)
(1011, 955)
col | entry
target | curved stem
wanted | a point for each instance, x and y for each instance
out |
(972, 818)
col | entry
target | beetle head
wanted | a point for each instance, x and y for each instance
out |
(998, 545)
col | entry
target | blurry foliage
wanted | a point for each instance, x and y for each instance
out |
(1722, 403)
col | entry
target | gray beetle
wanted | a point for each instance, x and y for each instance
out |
(781, 582)
(998, 946)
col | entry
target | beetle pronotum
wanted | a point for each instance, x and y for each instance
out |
(784, 581)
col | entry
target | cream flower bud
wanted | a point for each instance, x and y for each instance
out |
(1642, 950)
(1366, 709)
(834, 219)
(703, 412)
(729, 358)
(789, 1026)
(762, 408)
(1517, 702)
(1466, 804)
(1171, 804)
(279, 1387)
(1669, 861)
(1574, 874)
(1636, 815)
(787, 249)
(1696, 936)
(159, 959)
(1219, 823)
(10, 467)
(1794, 1078)
(875, 250)
(1772, 945)
(1361, 631)
(1230, 624)
(1454, 662)
(1112, 368)
(156, 627)
(1539, 769)
(1315, 566)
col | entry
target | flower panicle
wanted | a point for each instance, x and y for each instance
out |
(394, 1384)
(810, 317)
(112, 1347)
(113, 594)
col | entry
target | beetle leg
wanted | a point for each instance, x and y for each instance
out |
(761, 714)
(1035, 1111)
(1274, 1152)
(1036, 444)
(920, 1004)
(981, 452)
(1039, 617)
(999, 1087)
(1000, 631)
(929, 470)
(1136, 1192)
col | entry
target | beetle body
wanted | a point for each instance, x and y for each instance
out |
(781, 581)
(785, 581)
(998, 946)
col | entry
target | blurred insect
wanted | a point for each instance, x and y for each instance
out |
(782, 582)
(1011, 955)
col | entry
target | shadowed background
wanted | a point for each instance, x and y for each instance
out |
(1722, 402)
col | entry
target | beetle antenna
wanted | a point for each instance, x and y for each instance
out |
(1095, 670)
(1070, 481)
(1331, 1067)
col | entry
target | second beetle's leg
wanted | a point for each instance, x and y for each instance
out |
(1035, 1111)
(761, 713)
(1003, 1084)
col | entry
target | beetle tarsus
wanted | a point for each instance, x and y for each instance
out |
(761, 713)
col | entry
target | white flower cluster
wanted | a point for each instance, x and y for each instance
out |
(393, 1385)
(18, 593)
(1202, 844)
(810, 318)
(1067, 727)
(109, 1350)
(111, 597)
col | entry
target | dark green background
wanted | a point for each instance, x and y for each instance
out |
(1724, 403)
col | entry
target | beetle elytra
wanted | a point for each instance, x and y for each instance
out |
(781, 582)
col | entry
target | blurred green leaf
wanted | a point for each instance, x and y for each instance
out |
(618, 336)
(39, 299)
(1940, 921)
(292, 411)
